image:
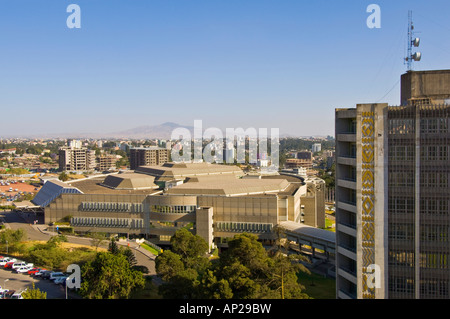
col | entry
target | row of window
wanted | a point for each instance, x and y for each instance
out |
(107, 222)
(434, 125)
(428, 206)
(401, 153)
(427, 126)
(243, 227)
(437, 288)
(112, 207)
(434, 153)
(174, 209)
(434, 179)
(427, 179)
(434, 260)
(428, 233)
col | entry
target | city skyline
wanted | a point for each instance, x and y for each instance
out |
(236, 64)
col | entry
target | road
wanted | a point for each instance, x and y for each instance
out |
(40, 232)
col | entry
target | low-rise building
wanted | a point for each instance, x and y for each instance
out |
(214, 201)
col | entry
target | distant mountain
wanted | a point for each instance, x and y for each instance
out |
(162, 131)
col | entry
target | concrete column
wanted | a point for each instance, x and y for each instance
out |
(204, 225)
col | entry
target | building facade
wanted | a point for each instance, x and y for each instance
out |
(76, 158)
(393, 200)
(214, 201)
(145, 156)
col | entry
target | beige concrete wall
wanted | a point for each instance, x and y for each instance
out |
(371, 214)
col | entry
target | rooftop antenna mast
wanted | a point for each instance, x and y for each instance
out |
(412, 42)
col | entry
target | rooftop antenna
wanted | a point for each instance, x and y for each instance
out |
(412, 42)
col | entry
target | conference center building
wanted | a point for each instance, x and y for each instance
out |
(211, 200)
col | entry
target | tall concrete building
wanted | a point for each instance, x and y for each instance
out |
(393, 196)
(146, 156)
(76, 158)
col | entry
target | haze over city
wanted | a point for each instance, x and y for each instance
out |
(244, 64)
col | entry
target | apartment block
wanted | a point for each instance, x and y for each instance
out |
(146, 156)
(76, 158)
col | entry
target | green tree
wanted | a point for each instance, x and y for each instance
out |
(168, 264)
(213, 288)
(11, 239)
(109, 276)
(34, 293)
(113, 247)
(97, 239)
(191, 248)
(128, 253)
(63, 177)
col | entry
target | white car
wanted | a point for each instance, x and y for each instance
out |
(17, 295)
(23, 269)
(21, 264)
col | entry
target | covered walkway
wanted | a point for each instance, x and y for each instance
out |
(316, 238)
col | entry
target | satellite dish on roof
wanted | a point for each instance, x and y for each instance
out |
(417, 56)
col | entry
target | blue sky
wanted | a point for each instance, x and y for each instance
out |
(238, 63)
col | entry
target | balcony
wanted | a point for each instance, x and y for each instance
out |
(346, 294)
(347, 160)
(349, 229)
(347, 183)
(347, 205)
(347, 137)
(347, 251)
(348, 274)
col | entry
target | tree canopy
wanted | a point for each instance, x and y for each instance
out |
(244, 271)
(109, 276)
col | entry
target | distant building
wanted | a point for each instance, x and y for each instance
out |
(298, 163)
(76, 158)
(317, 147)
(10, 151)
(106, 162)
(304, 155)
(148, 156)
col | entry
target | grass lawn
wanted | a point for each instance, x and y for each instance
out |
(150, 249)
(318, 287)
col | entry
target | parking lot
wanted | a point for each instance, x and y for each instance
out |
(14, 281)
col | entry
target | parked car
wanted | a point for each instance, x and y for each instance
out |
(9, 294)
(3, 293)
(17, 295)
(5, 260)
(9, 264)
(23, 269)
(46, 274)
(60, 280)
(21, 264)
(55, 275)
(42, 272)
(34, 270)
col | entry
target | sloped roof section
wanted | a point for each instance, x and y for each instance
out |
(130, 181)
(51, 190)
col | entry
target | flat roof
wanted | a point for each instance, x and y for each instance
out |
(230, 186)
(309, 231)
(169, 171)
